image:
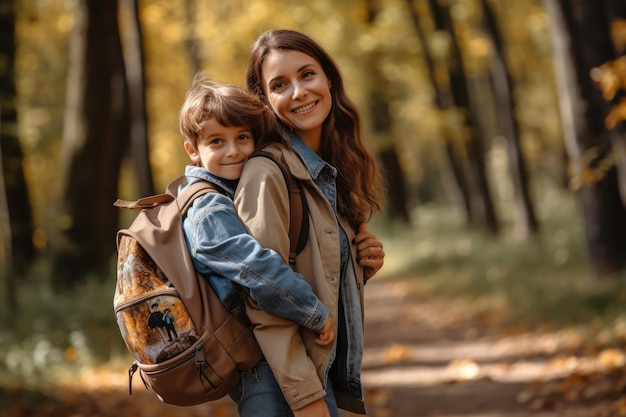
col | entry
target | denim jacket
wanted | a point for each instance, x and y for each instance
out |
(226, 255)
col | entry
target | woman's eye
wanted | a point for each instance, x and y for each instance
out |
(277, 85)
(307, 74)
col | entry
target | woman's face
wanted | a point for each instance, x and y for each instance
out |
(298, 91)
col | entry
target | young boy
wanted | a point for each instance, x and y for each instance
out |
(221, 124)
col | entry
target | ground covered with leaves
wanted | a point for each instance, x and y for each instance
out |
(425, 356)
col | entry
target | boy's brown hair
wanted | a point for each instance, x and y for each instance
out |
(229, 104)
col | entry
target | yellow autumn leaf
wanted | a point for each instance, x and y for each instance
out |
(70, 354)
(606, 79)
(611, 358)
(618, 32)
(616, 115)
(397, 353)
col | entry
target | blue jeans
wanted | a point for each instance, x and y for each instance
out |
(258, 395)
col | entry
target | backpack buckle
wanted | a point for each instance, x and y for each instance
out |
(131, 372)
(200, 359)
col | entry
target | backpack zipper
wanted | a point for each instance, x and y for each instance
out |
(136, 300)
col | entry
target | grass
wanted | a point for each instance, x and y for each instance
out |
(544, 280)
(58, 334)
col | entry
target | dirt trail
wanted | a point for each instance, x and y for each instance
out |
(424, 357)
(428, 357)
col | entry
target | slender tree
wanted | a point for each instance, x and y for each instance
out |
(134, 59)
(509, 126)
(95, 138)
(381, 123)
(16, 213)
(481, 199)
(193, 46)
(455, 175)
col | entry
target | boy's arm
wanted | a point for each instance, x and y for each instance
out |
(221, 246)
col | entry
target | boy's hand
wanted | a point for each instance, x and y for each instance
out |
(326, 335)
(317, 408)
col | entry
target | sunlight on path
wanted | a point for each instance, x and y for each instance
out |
(432, 357)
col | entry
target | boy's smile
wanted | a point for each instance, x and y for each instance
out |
(222, 150)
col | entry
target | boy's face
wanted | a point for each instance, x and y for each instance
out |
(222, 150)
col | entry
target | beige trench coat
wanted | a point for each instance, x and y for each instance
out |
(262, 201)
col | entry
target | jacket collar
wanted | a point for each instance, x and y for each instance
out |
(311, 160)
(195, 173)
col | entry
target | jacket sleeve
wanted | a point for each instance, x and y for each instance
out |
(230, 252)
(262, 202)
(282, 347)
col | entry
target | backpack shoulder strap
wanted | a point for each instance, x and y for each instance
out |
(195, 190)
(185, 199)
(298, 209)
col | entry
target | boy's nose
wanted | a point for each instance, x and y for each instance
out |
(233, 149)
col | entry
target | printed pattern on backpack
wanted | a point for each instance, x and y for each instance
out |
(151, 316)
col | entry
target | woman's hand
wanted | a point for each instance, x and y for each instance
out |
(369, 251)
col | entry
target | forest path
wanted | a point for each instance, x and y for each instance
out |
(425, 357)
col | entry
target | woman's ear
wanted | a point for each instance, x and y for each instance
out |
(192, 152)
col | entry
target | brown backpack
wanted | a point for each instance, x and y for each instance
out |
(187, 346)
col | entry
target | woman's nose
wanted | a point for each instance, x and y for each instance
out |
(299, 90)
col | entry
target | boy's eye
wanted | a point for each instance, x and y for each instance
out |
(216, 141)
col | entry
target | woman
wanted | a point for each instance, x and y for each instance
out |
(297, 78)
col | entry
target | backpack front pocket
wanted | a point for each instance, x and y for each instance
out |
(156, 327)
(193, 374)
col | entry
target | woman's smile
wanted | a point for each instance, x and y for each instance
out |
(305, 108)
(298, 91)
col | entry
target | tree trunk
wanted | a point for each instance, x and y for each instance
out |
(17, 222)
(527, 220)
(191, 41)
(381, 126)
(454, 174)
(135, 76)
(614, 10)
(95, 138)
(481, 199)
(578, 50)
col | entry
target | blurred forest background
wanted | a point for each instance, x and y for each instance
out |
(499, 123)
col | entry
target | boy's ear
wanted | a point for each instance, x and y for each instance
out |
(192, 152)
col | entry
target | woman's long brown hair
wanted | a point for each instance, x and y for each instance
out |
(360, 186)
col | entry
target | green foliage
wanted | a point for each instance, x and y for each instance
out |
(52, 332)
(542, 281)
(222, 35)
